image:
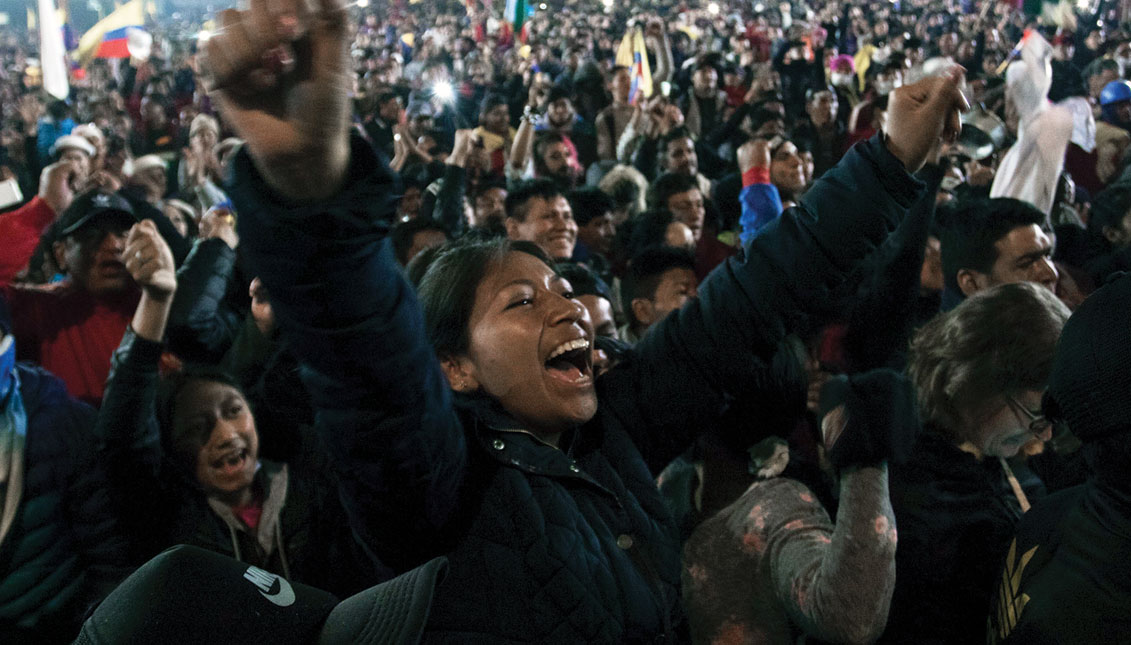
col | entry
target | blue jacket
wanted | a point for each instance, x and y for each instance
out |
(545, 545)
(64, 552)
(761, 204)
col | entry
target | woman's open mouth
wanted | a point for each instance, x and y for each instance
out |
(569, 362)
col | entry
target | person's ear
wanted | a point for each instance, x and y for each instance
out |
(460, 372)
(644, 311)
(512, 227)
(59, 252)
(970, 282)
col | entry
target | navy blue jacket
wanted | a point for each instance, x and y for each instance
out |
(64, 552)
(545, 545)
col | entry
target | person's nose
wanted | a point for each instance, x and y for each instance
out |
(114, 242)
(600, 361)
(1046, 273)
(566, 311)
(224, 433)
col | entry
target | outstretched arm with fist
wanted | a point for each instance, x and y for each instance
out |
(280, 75)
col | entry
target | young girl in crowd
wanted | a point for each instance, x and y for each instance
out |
(183, 456)
(468, 422)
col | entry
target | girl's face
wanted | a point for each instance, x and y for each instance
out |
(215, 424)
(530, 347)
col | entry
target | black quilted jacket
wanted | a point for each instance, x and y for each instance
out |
(545, 545)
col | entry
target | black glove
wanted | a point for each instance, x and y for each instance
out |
(882, 418)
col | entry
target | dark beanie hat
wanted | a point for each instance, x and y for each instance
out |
(1090, 384)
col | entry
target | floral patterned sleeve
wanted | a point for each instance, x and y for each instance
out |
(773, 565)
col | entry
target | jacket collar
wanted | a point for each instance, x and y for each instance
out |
(507, 442)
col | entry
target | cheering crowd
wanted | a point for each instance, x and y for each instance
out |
(732, 323)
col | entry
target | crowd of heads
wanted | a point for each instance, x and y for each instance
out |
(540, 153)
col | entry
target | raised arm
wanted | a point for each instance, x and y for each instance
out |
(318, 244)
(128, 438)
(788, 275)
(837, 585)
(777, 547)
(761, 203)
(448, 208)
(22, 228)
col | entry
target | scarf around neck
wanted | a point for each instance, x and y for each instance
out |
(13, 436)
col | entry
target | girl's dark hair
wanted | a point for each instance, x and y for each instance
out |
(176, 444)
(447, 290)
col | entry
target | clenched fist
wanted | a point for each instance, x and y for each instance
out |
(920, 114)
(279, 71)
(150, 262)
(754, 154)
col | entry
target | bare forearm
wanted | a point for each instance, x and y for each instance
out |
(151, 316)
(523, 143)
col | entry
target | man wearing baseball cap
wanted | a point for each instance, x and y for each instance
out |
(72, 328)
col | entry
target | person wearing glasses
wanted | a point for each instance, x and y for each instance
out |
(979, 373)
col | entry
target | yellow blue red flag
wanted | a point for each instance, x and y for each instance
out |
(634, 55)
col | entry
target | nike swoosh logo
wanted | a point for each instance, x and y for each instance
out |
(284, 596)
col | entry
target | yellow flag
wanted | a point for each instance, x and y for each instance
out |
(633, 54)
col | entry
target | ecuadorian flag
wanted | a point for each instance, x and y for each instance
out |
(108, 38)
(634, 55)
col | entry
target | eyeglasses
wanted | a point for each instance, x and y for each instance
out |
(1038, 423)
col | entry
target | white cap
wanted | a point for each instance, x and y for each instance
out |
(72, 141)
(148, 162)
(88, 131)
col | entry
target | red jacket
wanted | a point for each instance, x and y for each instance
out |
(61, 327)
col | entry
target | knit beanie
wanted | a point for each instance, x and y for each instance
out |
(1090, 385)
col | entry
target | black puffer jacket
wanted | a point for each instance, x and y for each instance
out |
(63, 552)
(161, 505)
(545, 544)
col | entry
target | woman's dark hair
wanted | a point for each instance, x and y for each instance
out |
(447, 290)
(176, 445)
(416, 268)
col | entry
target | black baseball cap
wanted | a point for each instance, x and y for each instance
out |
(92, 205)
